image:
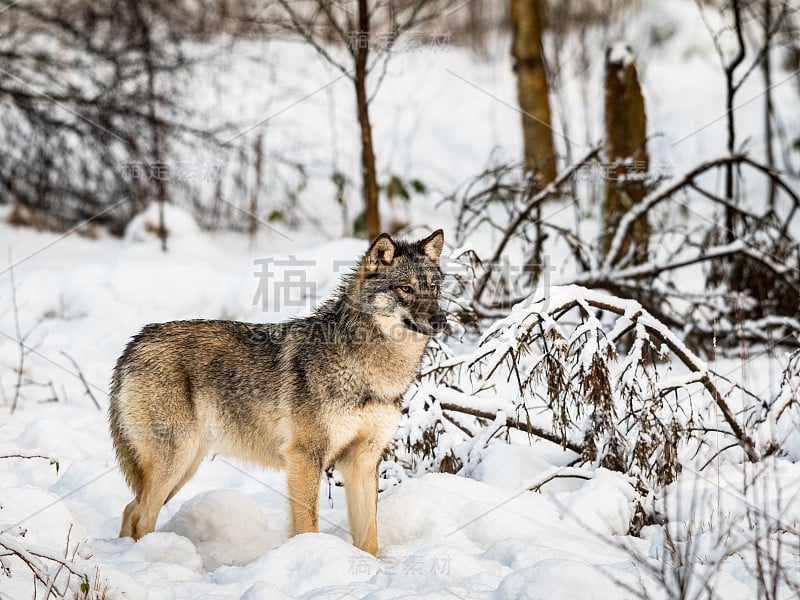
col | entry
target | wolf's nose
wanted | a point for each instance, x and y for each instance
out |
(438, 323)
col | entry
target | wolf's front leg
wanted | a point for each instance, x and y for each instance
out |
(359, 468)
(304, 472)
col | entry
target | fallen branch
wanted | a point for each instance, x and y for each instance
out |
(51, 460)
(514, 424)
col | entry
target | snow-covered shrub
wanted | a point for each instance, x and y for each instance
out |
(594, 373)
(22, 549)
(615, 375)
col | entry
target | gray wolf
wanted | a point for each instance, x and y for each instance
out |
(301, 395)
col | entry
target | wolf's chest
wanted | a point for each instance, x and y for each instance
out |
(387, 385)
(391, 369)
(374, 423)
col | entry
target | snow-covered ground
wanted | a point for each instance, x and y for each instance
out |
(479, 534)
(224, 535)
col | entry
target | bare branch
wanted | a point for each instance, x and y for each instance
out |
(87, 389)
(514, 424)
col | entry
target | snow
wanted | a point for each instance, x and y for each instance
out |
(480, 534)
(620, 53)
(225, 533)
(219, 540)
(179, 224)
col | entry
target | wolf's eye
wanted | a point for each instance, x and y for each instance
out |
(406, 289)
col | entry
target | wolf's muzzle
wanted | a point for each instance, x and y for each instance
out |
(438, 323)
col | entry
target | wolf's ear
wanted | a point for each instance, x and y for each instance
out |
(380, 252)
(433, 244)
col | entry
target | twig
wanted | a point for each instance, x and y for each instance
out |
(32, 556)
(50, 459)
(17, 332)
(561, 473)
(42, 456)
(83, 380)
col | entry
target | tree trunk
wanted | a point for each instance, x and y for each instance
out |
(731, 87)
(627, 162)
(766, 70)
(532, 89)
(372, 219)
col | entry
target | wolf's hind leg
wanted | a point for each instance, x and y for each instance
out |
(165, 468)
(190, 472)
(127, 526)
(359, 468)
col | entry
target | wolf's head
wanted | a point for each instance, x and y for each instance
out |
(400, 284)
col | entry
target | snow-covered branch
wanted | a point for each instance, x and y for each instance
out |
(597, 374)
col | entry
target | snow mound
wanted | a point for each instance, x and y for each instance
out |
(558, 579)
(167, 548)
(226, 527)
(604, 504)
(264, 591)
(506, 465)
(443, 508)
(305, 562)
(178, 223)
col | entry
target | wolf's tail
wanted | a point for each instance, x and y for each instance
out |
(124, 434)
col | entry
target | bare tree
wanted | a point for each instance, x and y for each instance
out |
(772, 21)
(741, 273)
(368, 32)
